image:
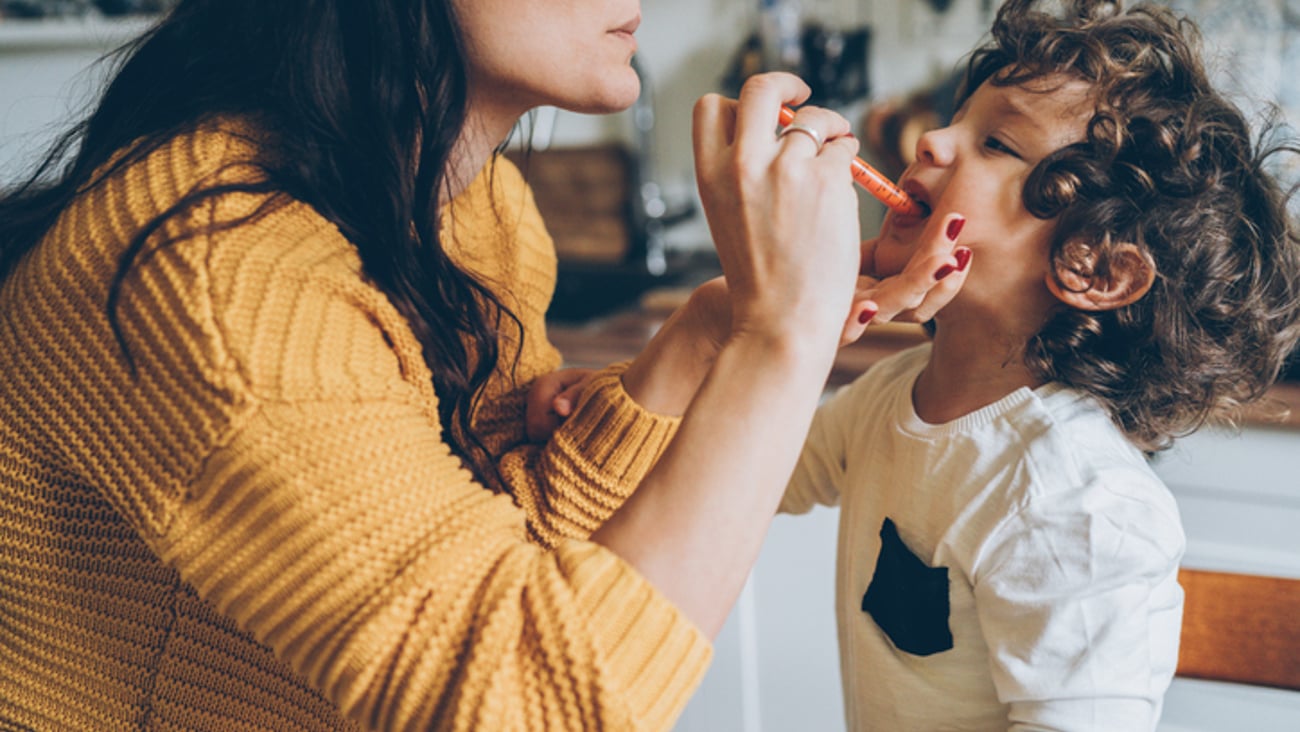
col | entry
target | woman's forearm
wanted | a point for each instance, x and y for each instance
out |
(695, 526)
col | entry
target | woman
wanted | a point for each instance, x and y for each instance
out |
(265, 346)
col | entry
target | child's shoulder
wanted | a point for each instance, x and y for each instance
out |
(1070, 444)
(1070, 471)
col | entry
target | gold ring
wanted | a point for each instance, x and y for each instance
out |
(813, 134)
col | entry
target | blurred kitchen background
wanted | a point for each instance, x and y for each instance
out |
(618, 193)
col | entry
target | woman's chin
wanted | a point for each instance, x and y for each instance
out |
(614, 95)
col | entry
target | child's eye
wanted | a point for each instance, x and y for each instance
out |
(996, 145)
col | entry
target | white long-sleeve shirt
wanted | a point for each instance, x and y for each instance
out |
(1059, 544)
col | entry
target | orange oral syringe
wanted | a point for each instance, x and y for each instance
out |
(874, 181)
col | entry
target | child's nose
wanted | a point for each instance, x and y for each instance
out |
(934, 147)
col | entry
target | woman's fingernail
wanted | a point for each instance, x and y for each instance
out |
(963, 258)
(954, 228)
(944, 271)
(866, 315)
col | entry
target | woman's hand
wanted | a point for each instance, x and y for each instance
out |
(782, 210)
(929, 281)
(665, 377)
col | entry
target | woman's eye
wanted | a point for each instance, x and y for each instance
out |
(997, 145)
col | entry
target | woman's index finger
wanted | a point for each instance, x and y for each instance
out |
(759, 112)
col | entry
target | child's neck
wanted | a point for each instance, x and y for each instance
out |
(970, 368)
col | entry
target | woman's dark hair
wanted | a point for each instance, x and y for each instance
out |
(1170, 165)
(356, 105)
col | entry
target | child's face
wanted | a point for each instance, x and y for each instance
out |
(977, 166)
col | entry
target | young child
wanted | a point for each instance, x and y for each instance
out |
(1007, 558)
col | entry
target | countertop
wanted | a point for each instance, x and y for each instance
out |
(622, 334)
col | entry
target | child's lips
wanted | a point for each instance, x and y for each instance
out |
(914, 218)
(921, 196)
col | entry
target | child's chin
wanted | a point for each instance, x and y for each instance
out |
(891, 259)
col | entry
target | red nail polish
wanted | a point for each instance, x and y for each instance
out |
(963, 258)
(954, 228)
(944, 271)
(866, 315)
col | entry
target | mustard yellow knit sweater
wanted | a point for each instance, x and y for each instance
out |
(262, 528)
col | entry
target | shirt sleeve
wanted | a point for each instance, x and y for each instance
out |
(819, 473)
(591, 465)
(1078, 599)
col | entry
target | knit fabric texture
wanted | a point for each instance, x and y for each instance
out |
(244, 515)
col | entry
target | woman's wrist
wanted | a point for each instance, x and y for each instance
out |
(791, 351)
(665, 376)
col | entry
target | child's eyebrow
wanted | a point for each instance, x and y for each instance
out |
(1043, 137)
(1015, 108)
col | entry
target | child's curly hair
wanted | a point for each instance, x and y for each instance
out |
(1170, 166)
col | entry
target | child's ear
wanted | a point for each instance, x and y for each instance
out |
(1131, 274)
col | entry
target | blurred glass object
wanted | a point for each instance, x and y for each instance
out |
(833, 61)
(39, 9)
(43, 8)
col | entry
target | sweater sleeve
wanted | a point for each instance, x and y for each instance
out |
(591, 465)
(326, 516)
(346, 537)
(601, 452)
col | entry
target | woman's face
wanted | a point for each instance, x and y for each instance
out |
(572, 54)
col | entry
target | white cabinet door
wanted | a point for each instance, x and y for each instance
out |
(776, 662)
(1239, 495)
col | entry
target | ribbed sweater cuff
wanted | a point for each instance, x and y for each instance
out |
(609, 434)
(654, 656)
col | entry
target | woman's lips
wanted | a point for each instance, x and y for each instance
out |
(627, 32)
(629, 27)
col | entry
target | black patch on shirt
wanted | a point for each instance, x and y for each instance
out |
(907, 599)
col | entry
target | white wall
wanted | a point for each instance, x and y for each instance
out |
(47, 75)
(685, 46)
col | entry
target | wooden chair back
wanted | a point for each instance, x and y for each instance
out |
(1240, 628)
